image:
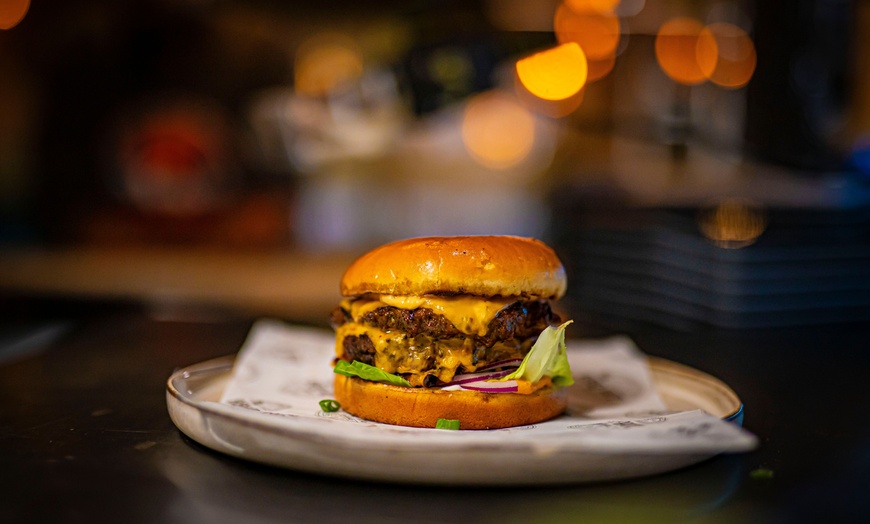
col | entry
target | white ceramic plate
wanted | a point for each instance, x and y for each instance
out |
(344, 447)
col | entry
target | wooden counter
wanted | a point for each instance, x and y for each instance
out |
(287, 284)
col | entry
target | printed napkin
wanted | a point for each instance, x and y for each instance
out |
(282, 372)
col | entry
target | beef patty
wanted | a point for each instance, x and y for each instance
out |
(519, 322)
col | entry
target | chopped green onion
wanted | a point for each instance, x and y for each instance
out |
(446, 423)
(761, 474)
(329, 405)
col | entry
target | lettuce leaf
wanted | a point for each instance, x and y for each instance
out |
(548, 357)
(367, 372)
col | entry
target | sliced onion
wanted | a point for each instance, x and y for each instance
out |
(507, 386)
(477, 377)
(510, 363)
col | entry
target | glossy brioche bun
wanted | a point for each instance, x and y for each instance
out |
(472, 265)
(422, 407)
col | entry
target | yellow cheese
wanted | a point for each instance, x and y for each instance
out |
(470, 315)
(413, 358)
(379, 338)
(416, 357)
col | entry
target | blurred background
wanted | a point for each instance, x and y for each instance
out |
(695, 163)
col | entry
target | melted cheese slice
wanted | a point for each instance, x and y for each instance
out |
(380, 340)
(470, 315)
(392, 354)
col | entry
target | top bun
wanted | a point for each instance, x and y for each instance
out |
(471, 265)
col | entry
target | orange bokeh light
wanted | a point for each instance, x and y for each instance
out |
(326, 62)
(600, 68)
(733, 224)
(555, 74)
(684, 50)
(597, 33)
(12, 12)
(736, 58)
(497, 131)
(550, 108)
(597, 6)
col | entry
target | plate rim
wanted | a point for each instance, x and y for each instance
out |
(194, 417)
(666, 366)
(224, 364)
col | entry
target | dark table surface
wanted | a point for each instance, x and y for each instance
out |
(85, 436)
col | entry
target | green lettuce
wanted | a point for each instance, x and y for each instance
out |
(547, 358)
(367, 372)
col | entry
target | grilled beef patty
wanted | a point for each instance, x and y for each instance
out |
(522, 319)
(517, 325)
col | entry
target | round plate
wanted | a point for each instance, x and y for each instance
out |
(684, 388)
(367, 450)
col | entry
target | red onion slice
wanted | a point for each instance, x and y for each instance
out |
(507, 386)
(510, 363)
(477, 377)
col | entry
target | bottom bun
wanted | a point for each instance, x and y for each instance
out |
(422, 407)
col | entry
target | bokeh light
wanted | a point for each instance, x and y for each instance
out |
(12, 12)
(596, 32)
(735, 53)
(497, 130)
(733, 224)
(628, 8)
(596, 6)
(600, 68)
(549, 108)
(452, 68)
(555, 74)
(326, 62)
(860, 154)
(684, 50)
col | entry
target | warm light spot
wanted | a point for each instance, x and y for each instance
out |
(678, 44)
(600, 68)
(735, 54)
(326, 62)
(554, 74)
(594, 6)
(497, 131)
(12, 12)
(732, 224)
(173, 159)
(595, 32)
(550, 108)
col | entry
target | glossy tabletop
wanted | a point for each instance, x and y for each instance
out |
(85, 436)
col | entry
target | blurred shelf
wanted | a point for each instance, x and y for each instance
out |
(287, 284)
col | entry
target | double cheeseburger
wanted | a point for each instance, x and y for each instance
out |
(440, 327)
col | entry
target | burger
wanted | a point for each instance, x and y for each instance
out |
(452, 331)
